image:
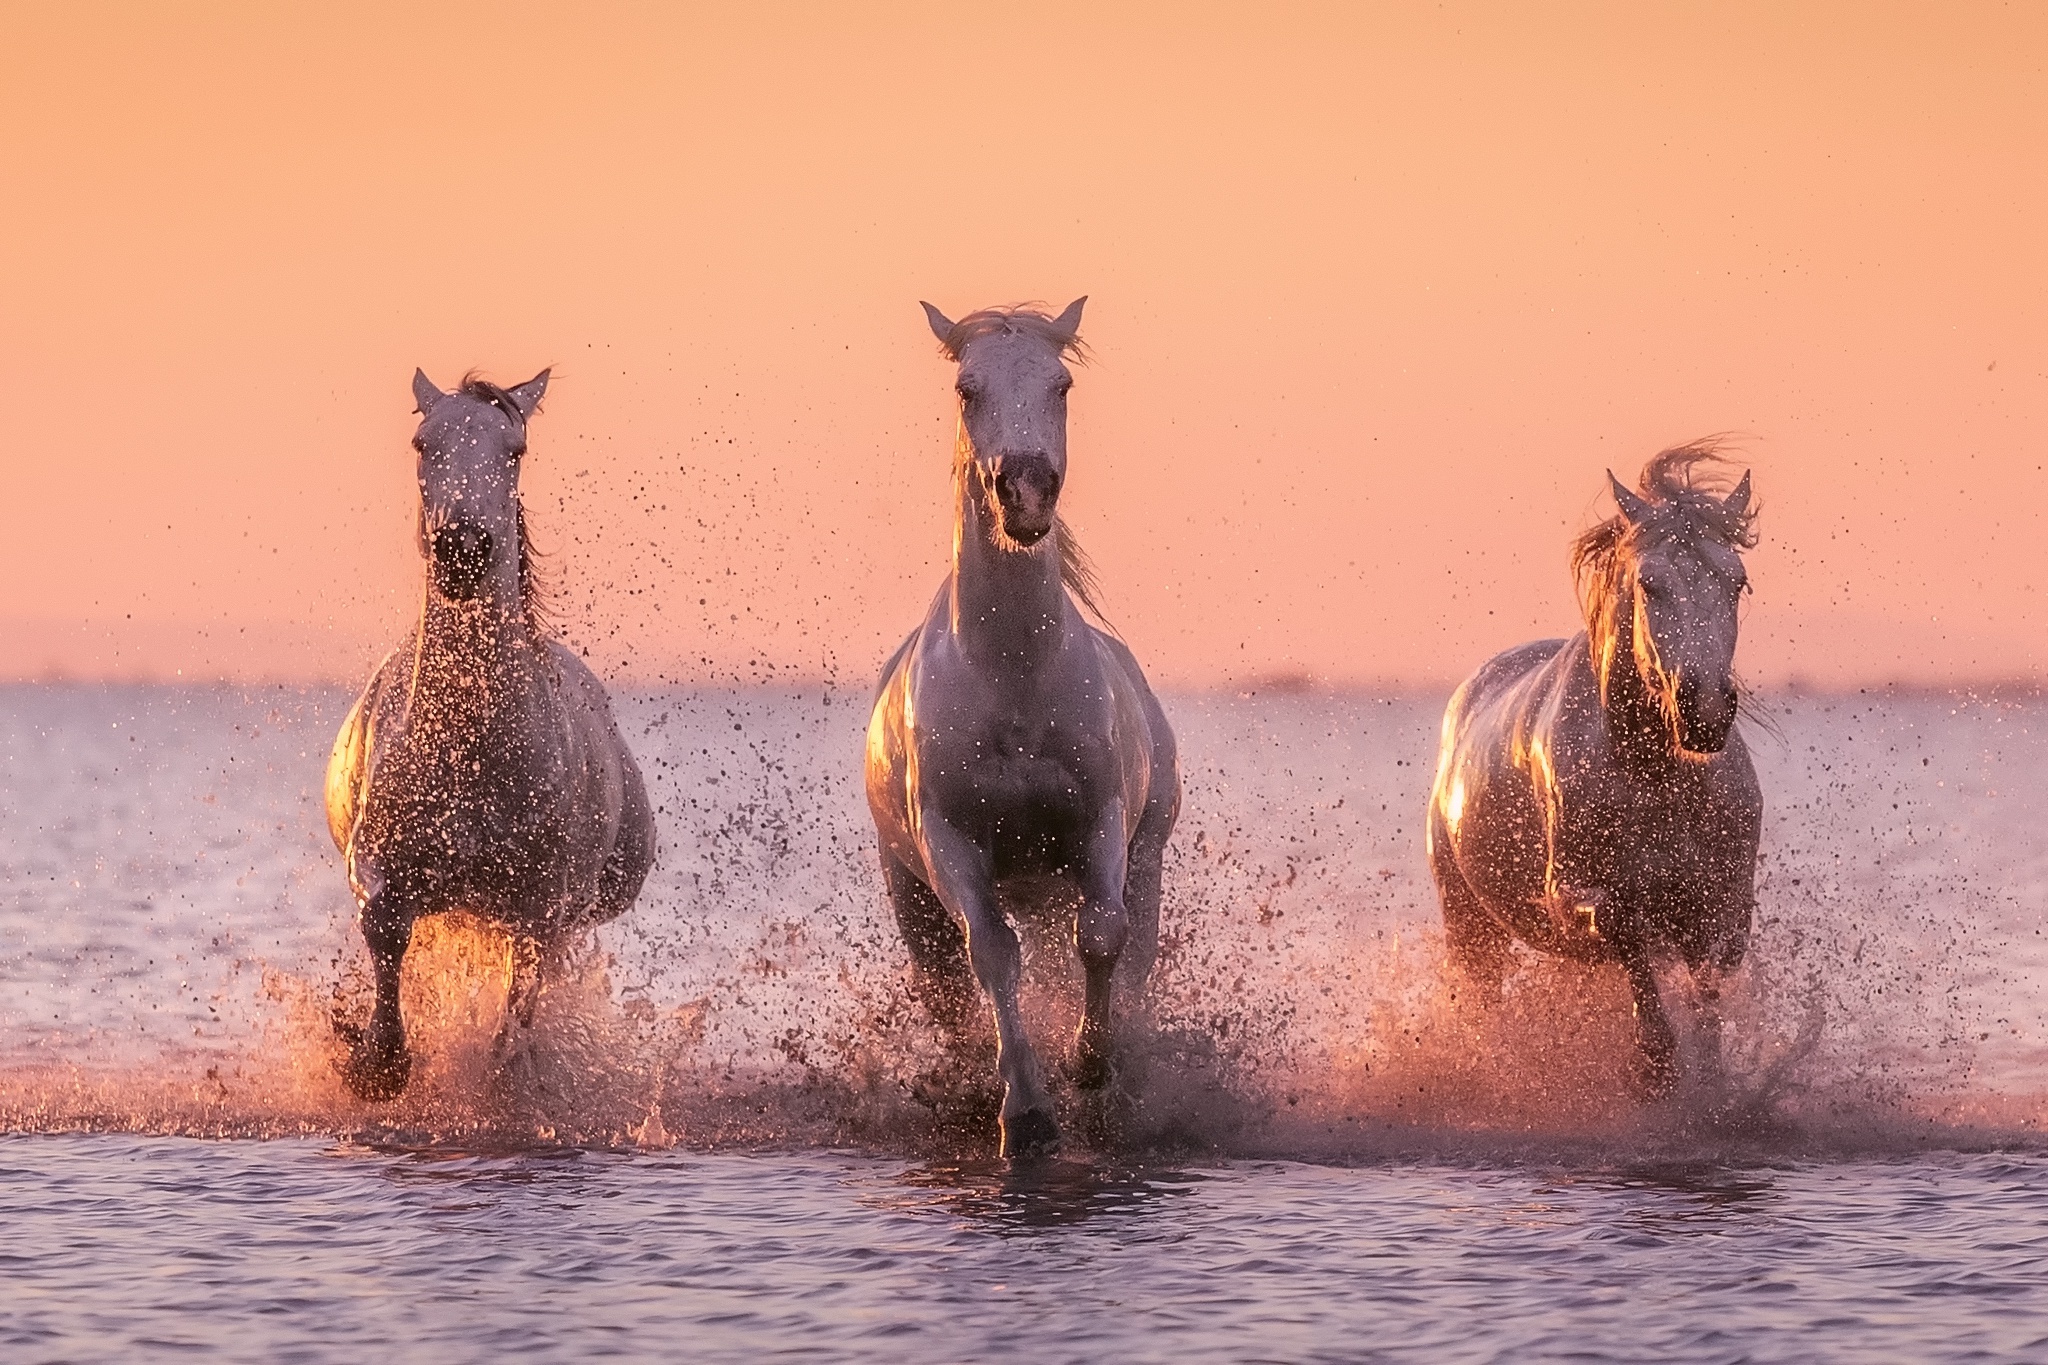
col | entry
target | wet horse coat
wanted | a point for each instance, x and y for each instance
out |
(481, 769)
(1011, 738)
(1593, 797)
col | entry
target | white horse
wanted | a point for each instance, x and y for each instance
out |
(1010, 737)
(481, 769)
(1593, 796)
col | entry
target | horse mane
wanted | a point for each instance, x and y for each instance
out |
(1077, 571)
(1021, 319)
(1682, 508)
(537, 594)
(536, 591)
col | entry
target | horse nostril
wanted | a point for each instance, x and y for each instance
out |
(461, 554)
(1032, 474)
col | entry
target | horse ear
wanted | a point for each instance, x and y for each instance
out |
(527, 395)
(1070, 321)
(424, 394)
(1633, 508)
(942, 326)
(1738, 501)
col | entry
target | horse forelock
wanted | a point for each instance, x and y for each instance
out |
(475, 386)
(1672, 479)
(1020, 319)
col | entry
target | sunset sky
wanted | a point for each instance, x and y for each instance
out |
(1376, 295)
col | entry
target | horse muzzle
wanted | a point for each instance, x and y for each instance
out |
(462, 556)
(1028, 492)
(1705, 715)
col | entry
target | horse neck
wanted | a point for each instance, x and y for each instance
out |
(1635, 722)
(480, 662)
(1009, 607)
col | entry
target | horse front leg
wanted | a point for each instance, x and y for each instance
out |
(938, 950)
(963, 878)
(1718, 958)
(1653, 1029)
(1102, 926)
(1142, 893)
(379, 1064)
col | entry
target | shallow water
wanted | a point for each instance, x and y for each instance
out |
(732, 1129)
(299, 1250)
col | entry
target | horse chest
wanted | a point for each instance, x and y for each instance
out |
(1022, 770)
(469, 823)
(1009, 776)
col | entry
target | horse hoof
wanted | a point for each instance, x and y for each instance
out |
(371, 1077)
(1030, 1135)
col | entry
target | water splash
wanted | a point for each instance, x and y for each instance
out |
(757, 996)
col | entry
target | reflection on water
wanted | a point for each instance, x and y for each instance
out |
(259, 1251)
(1041, 1194)
(470, 1166)
(1686, 1198)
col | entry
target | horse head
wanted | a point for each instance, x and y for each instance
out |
(470, 443)
(1681, 570)
(1013, 383)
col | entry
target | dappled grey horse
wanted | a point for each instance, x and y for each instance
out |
(1593, 796)
(481, 769)
(1011, 738)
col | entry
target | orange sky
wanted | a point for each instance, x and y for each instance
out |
(1376, 294)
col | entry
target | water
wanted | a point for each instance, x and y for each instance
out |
(312, 1251)
(731, 1133)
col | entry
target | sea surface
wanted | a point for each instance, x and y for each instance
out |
(731, 1133)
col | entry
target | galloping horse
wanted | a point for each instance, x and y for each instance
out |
(1013, 739)
(1593, 797)
(481, 769)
